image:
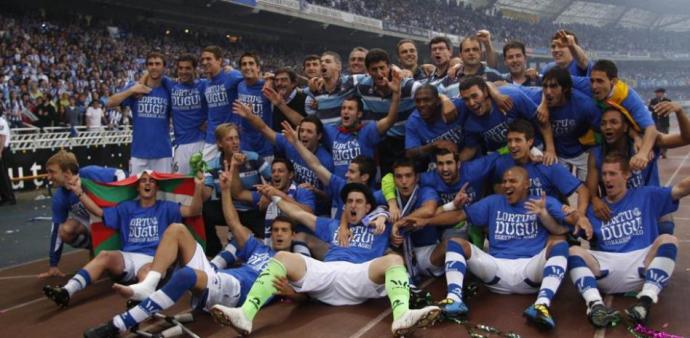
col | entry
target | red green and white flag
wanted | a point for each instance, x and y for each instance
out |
(171, 187)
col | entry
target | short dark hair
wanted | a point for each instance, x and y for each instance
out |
(441, 39)
(514, 44)
(285, 161)
(360, 105)
(335, 56)
(310, 57)
(290, 73)
(471, 81)
(444, 151)
(522, 126)
(215, 50)
(555, 35)
(284, 219)
(560, 76)
(617, 157)
(251, 55)
(376, 55)
(155, 55)
(366, 166)
(315, 120)
(606, 66)
(432, 88)
(186, 57)
(403, 162)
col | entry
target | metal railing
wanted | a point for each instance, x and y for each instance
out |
(66, 137)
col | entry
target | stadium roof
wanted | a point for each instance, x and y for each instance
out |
(670, 15)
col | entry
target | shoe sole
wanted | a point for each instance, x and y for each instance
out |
(222, 319)
(424, 321)
(52, 295)
(540, 323)
(610, 319)
(634, 318)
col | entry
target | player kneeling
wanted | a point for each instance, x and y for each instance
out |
(630, 252)
(348, 275)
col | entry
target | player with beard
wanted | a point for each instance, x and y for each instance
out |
(150, 106)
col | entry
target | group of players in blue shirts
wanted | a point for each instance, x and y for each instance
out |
(494, 160)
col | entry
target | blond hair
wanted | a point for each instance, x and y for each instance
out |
(65, 160)
(223, 129)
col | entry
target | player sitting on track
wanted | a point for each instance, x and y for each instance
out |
(522, 258)
(630, 252)
(140, 223)
(61, 168)
(228, 287)
(349, 275)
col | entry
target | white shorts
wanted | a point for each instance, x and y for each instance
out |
(579, 163)
(424, 266)
(133, 262)
(512, 274)
(200, 262)
(339, 283)
(210, 151)
(183, 153)
(621, 269)
(138, 165)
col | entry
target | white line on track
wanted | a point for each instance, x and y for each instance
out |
(37, 260)
(677, 169)
(18, 277)
(19, 306)
(383, 315)
(601, 333)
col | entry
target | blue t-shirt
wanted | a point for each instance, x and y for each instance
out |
(250, 138)
(475, 172)
(570, 121)
(255, 256)
(141, 229)
(346, 146)
(364, 244)
(151, 124)
(220, 92)
(649, 176)
(553, 180)
(573, 68)
(419, 132)
(490, 130)
(633, 103)
(65, 202)
(428, 235)
(513, 233)
(189, 111)
(633, 223)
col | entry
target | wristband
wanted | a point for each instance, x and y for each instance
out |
(450, 206)
(276, 199)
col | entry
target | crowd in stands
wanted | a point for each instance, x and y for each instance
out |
(53, 72)
(462, 19)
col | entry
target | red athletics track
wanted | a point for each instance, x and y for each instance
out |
(25, 312)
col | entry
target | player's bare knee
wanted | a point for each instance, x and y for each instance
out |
(175, 229)
(283, 256)
(392, 259)
(666, 239)
(466, 246)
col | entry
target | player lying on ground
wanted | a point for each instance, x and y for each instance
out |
(349, 275)
(630, 253)
(228, 287)
(140, 223)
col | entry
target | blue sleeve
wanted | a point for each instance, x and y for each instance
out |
(111, 217)
(335, 185)
(379, 199)
(428, 194)
(174, 212)
(412, 139)
(638, 109)
(478, 213)
(555, 209)
(264, 169)
(234, 79)
(564, 180)
(523, 105)
(370, 136)
(255, 197)
(59, 216)
(281, 143)
(323, 229)
(305, 197)
(481, 167)
(248, 248)
(662, 200)
(167, 83)
(534, 93)
(329, 133)
(583, 84)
